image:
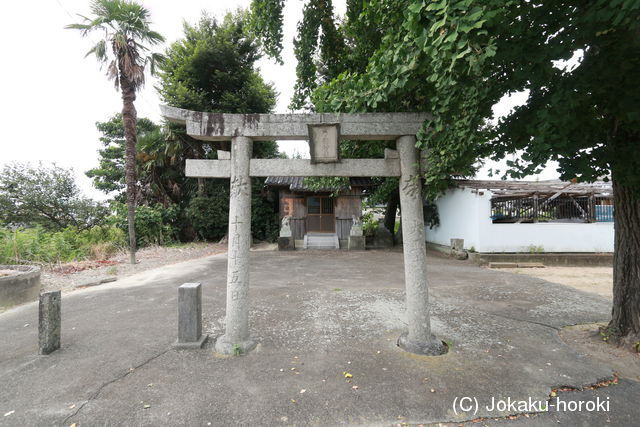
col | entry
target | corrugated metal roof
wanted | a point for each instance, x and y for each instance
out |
(296, 183)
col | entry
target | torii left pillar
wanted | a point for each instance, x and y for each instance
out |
(236, 338)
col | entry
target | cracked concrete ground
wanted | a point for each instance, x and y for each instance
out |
(317, 316)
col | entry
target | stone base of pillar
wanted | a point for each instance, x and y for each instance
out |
(356, 243)
(223, 346)
(433, 347)
(192, 345)
(286, 243)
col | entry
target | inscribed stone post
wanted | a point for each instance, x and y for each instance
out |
(418, 338)
(236, 338)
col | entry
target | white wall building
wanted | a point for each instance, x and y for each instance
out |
(497, 216)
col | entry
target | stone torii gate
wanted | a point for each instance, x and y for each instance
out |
(323, 131)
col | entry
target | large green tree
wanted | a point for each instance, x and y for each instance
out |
(126, 34)
(457, 58)
(109, 175)
(46, 196)
(213, 69)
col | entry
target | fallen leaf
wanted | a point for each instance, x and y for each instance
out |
(150, 385)
(73, 425)
(9, 413)
(293, 401)
(146, 407)
(302, 391)
(554, 394)
(347, 375)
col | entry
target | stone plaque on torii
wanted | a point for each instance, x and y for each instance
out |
(324, 132)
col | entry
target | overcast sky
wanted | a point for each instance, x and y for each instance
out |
(52, 96)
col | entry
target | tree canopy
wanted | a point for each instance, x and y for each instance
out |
(457, 58)
(47, 197)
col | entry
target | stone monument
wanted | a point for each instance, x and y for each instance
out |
(356, 237)
(286, 240)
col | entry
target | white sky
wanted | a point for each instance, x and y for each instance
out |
(52, 96)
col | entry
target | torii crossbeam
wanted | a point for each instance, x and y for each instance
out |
(243, 129)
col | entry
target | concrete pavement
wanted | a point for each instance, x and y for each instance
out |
(316, 316)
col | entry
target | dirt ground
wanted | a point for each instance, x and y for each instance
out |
(67, 277)
(597, 280)
(588, 341)
(586, 338)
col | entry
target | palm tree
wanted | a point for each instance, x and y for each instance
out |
(124, 26)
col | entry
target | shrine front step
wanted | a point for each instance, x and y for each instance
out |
(321, 241)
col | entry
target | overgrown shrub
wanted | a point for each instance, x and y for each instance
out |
(209, 215)
(369, 224)
(155, 225)
(36, 245)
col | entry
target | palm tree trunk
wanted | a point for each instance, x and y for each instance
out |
(129, 118)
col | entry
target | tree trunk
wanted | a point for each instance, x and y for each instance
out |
(129, 118)
(625, 315)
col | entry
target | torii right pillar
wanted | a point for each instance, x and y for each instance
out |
(418, 339)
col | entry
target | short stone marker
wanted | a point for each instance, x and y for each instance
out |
(49, 322)
(190, 317)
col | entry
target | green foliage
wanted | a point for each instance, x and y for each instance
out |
(36, 245)
(213, 69)
(533, 249)
(335, 184)
(125, 27)
(155, 224)
(209, 213)
(317, 38)
(266, 24)
(369, 224)
(109, 175)
(47, 197)
(430, 213)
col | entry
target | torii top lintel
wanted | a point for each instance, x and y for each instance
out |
(266, 127)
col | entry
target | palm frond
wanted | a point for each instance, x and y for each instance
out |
(126, 35)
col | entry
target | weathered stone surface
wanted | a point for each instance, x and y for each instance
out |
(356, 226)
(49, 322)
(418, 339)
(503, 265)
(267, 127)
(286, 243)
(356, 243)
(21, 287)
(530, 265)
(198, 168)
(285, 228)
(236, 338)
(324, 144)
(457, 244)
(190, 316)
(459, 254)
